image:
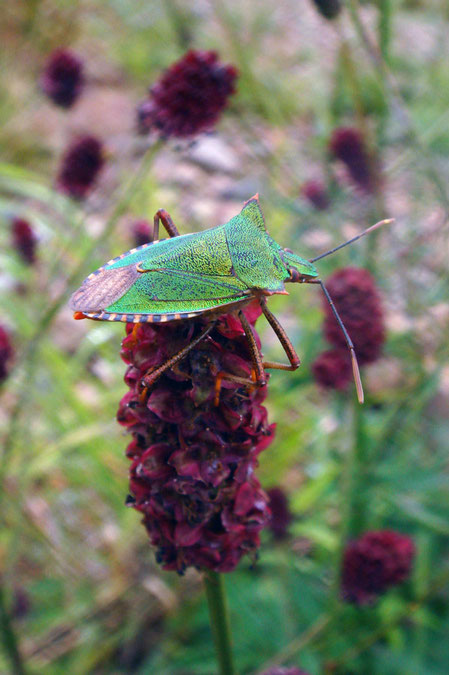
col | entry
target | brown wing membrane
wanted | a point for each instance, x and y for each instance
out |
(103, 287)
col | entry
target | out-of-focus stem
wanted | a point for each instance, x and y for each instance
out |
(356, 516)
(9, 639)
(384, 28)
(219, 620)
(397, 100)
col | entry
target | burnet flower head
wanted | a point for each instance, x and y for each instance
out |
(330, 9)
(24, 240)
(63, 77)
(189, 97)
(348, 145)
(194, 449)
(316, 193)
(6, 353)
(281, 516)
(374, 563)
(80, 166)
(142, 232)
(358, 302)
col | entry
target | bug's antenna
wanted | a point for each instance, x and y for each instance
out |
(350, 241)
(355, 365)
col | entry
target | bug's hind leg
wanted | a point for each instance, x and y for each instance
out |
(283, 339)
(164, 217)
(151, 376)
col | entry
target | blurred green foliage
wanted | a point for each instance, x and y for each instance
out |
(96, 601)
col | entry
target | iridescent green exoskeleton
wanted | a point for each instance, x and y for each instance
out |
(210, 272)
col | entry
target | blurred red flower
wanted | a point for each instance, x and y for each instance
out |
(6, 353)
(24, 240)
(63, 77)
(189, 97)
(80, 167)
(332, 369)
(374, 563)
(348, 145)
(357, 300)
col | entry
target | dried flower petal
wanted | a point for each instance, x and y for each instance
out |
(80, 167)
(63, 77)
(374, 563)
(189, 97)
(193, 462)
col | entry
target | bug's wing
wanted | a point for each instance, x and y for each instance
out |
(103, 287)
(110, 281)
(168, 292)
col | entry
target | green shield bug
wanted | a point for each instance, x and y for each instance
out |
(209, 272)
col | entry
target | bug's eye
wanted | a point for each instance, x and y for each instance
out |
(294, 274)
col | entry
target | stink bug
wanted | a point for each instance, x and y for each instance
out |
(209, 272)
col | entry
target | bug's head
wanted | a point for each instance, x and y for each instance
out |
(299, 269)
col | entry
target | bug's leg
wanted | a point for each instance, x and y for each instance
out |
(151, 376)
(166, 220)
(283, 339)
(223, 375)
(258, 377)
(256, 356)
(355, 365)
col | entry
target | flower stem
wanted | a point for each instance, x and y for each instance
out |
(9, 639)
(219, 620)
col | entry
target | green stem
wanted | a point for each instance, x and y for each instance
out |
(356, 518)
(9, 639)
(384, 28)
(219, 619)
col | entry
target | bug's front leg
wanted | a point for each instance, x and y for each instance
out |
(256, 356)
(283, 339)
(165, 218)
(151, 376)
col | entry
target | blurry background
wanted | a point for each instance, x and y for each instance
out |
(81, 589)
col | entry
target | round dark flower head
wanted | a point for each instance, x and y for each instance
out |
(24, 240)
(287, 670)
(189, 97)
(315, 192)
(332, 369)
(63, 77)
(281, 515)
(348, 145)
(6, 353)
(328, 8)
(193, 455)
(80, 167)
(142, 232)
(357, 300)
(374, 563)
